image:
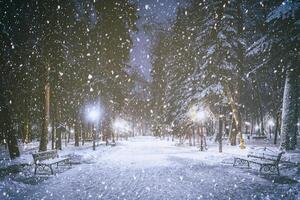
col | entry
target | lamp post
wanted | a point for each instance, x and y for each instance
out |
(93, 116)
(198, 115)
(271, 124)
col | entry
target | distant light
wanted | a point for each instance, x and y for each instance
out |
(198, 114)
(121, 126)
(271, 122)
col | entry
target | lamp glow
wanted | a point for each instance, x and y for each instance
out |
(271, 123)
(93, 113)
(197, 114)
(121, 126)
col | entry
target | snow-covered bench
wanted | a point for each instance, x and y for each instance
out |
(47, 159)
(267, 159)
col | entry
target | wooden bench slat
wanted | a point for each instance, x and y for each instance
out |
(53, 161)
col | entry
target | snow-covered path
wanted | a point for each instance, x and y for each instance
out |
(148, 168)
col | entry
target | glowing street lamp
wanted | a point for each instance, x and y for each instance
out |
(93, 115)
(121, 126)
(271, 122)
(198, 115)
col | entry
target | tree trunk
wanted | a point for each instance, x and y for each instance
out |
(53, 130)
(12, 144)
(66, 137)
(113, 136)
(261, 115)
(44, 134)
(83, 133)
(290, 111)
(133, 127)
(201, 134)
(69, 133)
(233, 133)
(10, 135)
(276, 127)
(190, 138)
(225, 123)
(58, 127)
(77, 132)
(236, 115)
(252, 126)
(6, 126)
(194, 136)
(26, 129)
(220, 133)
(94, 137)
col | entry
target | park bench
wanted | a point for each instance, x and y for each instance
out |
(47, 159)
(267, 159)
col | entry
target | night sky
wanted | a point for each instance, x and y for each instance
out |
(154, 11)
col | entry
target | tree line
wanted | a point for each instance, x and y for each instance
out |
(238, 59)
(58, 56)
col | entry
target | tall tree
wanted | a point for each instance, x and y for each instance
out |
(279, 46)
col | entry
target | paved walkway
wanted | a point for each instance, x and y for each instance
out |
(147, 168)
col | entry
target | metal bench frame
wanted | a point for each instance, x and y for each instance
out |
(267, 160)
(51, 157)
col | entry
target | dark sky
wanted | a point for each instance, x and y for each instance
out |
(150, 11)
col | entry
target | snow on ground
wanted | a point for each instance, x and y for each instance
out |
(150, 168)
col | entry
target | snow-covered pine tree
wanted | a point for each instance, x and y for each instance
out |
(180, 66)
(280, 46)
(223, 39)
(265, 93)
(159, 81)
(284, 25)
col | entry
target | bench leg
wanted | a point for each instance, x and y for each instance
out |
(35, 168)
(234, 161)
(50, 166)
(238, 161)
(260, 169)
